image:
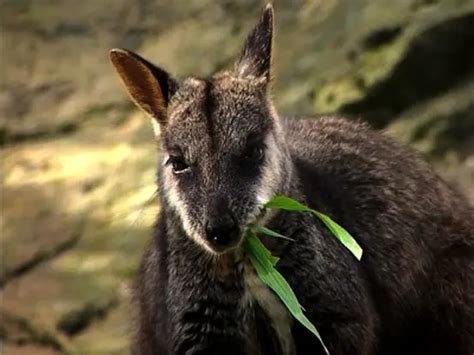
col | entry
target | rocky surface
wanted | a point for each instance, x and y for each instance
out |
(78, 195)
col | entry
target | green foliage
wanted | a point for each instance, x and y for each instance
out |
(263, 230)
(286, 203)
(264, 262)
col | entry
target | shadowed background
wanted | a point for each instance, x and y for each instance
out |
(78, 160)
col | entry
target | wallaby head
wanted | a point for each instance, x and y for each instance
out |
(224, 153)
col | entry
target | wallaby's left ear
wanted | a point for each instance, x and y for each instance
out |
(256, 56)
(149, 87)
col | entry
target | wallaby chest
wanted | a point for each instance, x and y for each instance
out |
(256, 292)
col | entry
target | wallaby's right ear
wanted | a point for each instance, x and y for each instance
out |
(256, 56)
(149, 86)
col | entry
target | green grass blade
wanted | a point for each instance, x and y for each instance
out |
(264, 263)
(263, 230)
(344, 237)
(286, 203)
(252, 243)
(264, 266)
(289, 204)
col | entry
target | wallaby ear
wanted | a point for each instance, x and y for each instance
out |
(256, 56)
(149, 87)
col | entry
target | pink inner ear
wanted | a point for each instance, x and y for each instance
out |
(141, 84)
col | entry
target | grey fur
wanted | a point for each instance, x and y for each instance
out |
(412, 293)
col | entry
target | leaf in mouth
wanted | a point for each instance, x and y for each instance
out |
(289, 204)
(264, 262)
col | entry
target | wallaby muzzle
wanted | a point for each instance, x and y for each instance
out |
(222, 229)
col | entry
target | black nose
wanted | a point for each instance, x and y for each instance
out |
(222, 232)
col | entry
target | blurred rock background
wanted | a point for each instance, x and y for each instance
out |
(77, 160)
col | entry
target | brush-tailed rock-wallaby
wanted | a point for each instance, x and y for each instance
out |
(225, 151)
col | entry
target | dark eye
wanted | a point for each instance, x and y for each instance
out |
(254, 154)
(178, 164)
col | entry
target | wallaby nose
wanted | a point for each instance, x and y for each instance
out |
(222, 233)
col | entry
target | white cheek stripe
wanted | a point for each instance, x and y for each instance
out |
(271, 175)
(172, 195)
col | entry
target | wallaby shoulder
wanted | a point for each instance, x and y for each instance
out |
(416, 231)
(357, 158)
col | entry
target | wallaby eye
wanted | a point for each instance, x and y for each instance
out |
(178, 164)
(254, 154)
